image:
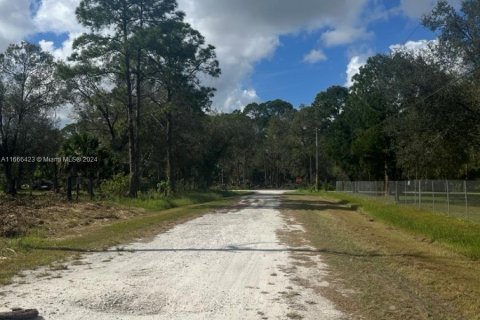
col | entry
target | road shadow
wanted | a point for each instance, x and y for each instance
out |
(318, 205)
(21, 314)
(237, 249)
(274, 201)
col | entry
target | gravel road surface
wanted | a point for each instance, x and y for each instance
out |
(223, 265)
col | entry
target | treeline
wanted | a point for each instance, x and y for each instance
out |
(134, 82)
(143, 118)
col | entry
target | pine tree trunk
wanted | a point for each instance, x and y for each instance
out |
(77, 187)
(69, 187)
(55, 177)
(170, 169)
(90, 188)
(132, 155)
(10, 177)
(132, 137)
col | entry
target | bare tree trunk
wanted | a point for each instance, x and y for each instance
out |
(138, 90)
(10, 176)
(90, 188)
(69, 187)
(386, 182)
(77, 187)
(310, 171)
(170, 171)
(265, 171)
(132, 154)
(55, 177)
(132, 138)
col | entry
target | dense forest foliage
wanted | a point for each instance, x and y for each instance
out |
(143, 118)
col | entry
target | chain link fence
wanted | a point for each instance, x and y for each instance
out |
(458, 198)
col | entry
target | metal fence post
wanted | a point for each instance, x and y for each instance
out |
(433, 195)
(448, 198)
(397, 195)
(419, 193)
(466, 198)
(415, 192)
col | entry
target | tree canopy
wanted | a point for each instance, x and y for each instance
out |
(136, 85)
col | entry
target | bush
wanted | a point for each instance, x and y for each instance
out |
(118, 186)
(162, 187)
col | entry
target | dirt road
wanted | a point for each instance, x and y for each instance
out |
(223, 265)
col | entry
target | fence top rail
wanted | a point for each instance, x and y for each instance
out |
(412, 180)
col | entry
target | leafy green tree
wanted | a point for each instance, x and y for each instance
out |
(459, 35)
(88, 159)
(96, 104)
(263, 112)
(459, 32)
(116, 41)
(397, 122)
(147, 70)
(29, 90)
(267, 116)
(177, 60)
(326, 109)
(236, 138)
(329, 104)
(302, 131)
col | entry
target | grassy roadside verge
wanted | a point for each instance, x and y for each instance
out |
(23, 253)
(156, 204)
(378, 271)
(461, 236)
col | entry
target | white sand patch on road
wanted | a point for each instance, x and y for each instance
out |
(219, 266)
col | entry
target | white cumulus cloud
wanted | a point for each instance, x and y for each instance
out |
(415, 47)
(345, 35)
(239, 98)
(15, 21)
(315, 56)
(245, 32)
(62, 52)
(416, 8)
(353, 68)
(57, 16)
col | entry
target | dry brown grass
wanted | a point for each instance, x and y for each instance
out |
(73, 228)
(51, 216)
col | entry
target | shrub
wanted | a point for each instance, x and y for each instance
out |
(118, 186)
(162, 187)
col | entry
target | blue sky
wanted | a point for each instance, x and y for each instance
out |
(56, 38)
(341, 34)
(267, 49)
(287, 76)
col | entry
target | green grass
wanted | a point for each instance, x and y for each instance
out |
(457, 207)
(30, 252)
(461, 236)
(380, 266)
(154, 202)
